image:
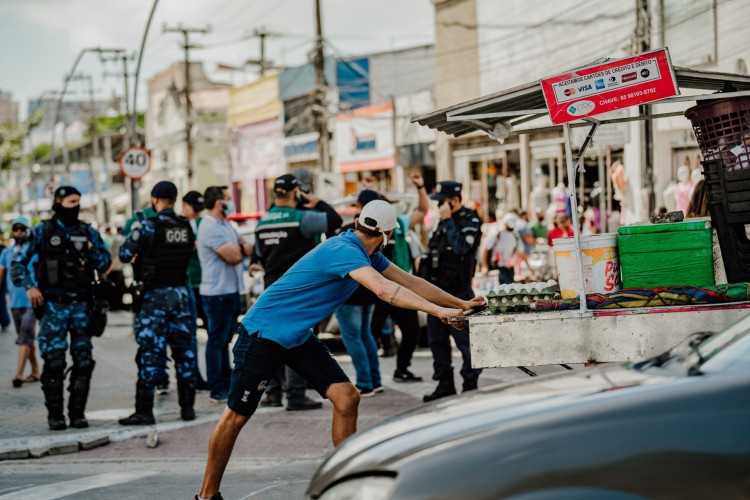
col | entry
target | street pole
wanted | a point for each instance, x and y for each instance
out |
(53, 162)
(130, 137)
(135, 185)
(262, 61)
(186, 46)
(643, 44)
(320, 107)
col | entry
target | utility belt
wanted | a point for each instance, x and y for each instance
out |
(448, 274)
(138, 289)
(62, 297)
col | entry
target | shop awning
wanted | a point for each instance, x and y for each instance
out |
(525, 103)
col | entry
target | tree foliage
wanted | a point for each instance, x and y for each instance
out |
(12, 136)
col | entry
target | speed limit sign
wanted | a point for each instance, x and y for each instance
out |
(135, 162)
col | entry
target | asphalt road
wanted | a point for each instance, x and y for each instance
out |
(275, 456)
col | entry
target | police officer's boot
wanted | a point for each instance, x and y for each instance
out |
(53, 376)
(186, 397)
(446, 387)
(80, 382)
(144, 406)
(471, 384)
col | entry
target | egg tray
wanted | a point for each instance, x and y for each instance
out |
(504, 302)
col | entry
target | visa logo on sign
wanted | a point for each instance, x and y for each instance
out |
(584, 88)
(599, 84)
(629, 77)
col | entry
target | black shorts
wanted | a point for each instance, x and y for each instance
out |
(256, 360)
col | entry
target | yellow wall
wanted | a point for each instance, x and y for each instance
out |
(254, 102)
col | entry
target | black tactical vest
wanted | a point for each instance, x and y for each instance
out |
(165, 260)
(65, 261)
(448, 270)
(281, 242)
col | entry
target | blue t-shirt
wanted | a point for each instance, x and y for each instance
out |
(310, 290)
(18, 297)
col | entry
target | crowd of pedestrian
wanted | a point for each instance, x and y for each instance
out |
(187, 269)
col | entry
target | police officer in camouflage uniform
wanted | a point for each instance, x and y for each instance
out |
(70, 251)
(450, 265)
(160, 249)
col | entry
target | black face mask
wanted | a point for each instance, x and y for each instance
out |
(68, 216)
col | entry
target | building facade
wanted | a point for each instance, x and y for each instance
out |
(483, 47)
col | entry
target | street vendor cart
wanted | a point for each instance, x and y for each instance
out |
(597, 329)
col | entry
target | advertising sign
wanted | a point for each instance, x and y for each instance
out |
(135, 162)
(364, 139)
(606, 87)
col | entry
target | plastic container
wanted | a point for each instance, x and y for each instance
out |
(601, 264)
(722, 128)
(667, 255)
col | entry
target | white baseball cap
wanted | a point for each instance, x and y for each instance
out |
(509, 221)
(378, 215)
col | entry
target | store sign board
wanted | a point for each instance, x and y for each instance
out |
(606, 87)
(135, 162)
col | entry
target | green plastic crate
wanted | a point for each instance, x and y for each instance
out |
(665, 255)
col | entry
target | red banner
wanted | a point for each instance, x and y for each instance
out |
(614, 85)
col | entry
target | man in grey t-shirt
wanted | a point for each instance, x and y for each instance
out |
(220, 250)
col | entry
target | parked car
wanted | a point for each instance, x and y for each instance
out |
(676, 426)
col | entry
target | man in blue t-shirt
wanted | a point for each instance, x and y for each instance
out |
(20, 306)
(277, 329)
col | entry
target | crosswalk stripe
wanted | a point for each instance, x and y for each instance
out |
(65, 488)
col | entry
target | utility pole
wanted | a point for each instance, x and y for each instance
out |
(643, 44)
(261, 34)
(320, 106)
(130, 136)
(186, 46)
(95, 163)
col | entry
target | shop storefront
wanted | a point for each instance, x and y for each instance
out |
(364, 148)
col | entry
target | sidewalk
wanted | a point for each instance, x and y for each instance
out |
(23, 416)
(273, 432)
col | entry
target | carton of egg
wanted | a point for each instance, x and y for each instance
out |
(517, 297)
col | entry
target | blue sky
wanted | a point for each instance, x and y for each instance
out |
(41, 38)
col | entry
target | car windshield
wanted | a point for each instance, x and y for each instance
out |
(703, 353)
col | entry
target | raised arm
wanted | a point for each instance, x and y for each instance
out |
(423, 206)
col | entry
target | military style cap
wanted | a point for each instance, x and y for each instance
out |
(379, 216)
(366, 196)
(164, 190)
(195, 200)
(285, 183)
(65, 191)
(446, 189)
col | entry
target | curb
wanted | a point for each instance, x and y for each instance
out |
(38, 447)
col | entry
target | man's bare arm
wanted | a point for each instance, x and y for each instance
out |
(230, 253)
(427, 290)
(397, 294)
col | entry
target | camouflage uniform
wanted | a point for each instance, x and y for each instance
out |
(68, 257)
(163, 317)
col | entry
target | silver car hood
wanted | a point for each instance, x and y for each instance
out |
(380, 447)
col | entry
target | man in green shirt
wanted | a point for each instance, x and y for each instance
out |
(192, 205)
(539, 230)
(148, 213)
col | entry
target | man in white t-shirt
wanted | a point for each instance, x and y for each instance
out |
(504, 245)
